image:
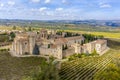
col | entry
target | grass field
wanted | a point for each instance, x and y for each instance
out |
(9, 28)
(105, 34)
(13, 68)
(108, 34)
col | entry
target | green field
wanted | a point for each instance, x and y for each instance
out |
(105, 34)
(13, 68)
(88, 30)
(86, 68)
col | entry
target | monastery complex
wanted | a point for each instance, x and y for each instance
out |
(49, 43)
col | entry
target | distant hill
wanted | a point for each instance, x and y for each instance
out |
(112, 23)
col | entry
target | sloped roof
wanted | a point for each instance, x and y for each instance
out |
(74, 38)
(43, 30)
(53, 46)
(101, 41)
(60, 41)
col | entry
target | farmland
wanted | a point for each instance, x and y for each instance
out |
(105, 34)
(86, 68)
(79, 69)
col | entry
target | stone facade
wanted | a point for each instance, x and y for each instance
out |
(56, 52)
(98, 45)
(50, 44)
(24, 44)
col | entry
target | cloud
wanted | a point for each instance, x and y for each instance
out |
(43, 9)
(39, 9)
(64, 1)
(59, 9)
(35, 1)
(11, 3)
(47, 1)
(32, 9)
(1, 4)
(104, 5)
(50, 13)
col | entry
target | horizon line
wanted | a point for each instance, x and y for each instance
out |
(61, 19)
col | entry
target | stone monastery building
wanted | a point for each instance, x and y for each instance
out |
(48, 43)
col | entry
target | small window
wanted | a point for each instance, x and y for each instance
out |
(25, 43)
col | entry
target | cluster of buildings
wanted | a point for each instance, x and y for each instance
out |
(48, 43)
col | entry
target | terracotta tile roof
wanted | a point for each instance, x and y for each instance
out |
(101, 41)
(31, 33)
(39, 40)
(53, 46)
(43, 30)
(23, 39)
(60, 41)
(64, 40)
(22, 35)
(74, 38)
(25, 34)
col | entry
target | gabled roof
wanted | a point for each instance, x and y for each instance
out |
(101, 41)
(65, 40)
(43, 30)
(74, 38)
(23, 39)
(60, 41)
(53, 46)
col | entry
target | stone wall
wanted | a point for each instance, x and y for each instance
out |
(31, 44)
(56, 52)
(101, 47)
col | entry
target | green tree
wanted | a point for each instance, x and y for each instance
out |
(14, 28)
(23, 28)
(47, 71)
(94, 52)
(12, 35)
(86, 40)
(4, 38)
(101, 37)
(29, 29)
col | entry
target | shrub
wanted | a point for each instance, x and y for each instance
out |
(46, 71)
(94, 53)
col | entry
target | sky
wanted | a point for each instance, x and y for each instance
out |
(60, 9)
